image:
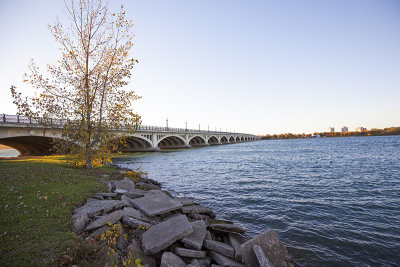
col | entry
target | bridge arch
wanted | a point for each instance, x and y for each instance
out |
(171, 142)
(29, 145)
(136, 144)
(212, 140)
(237, 139)
(197, 141)
(232, 139)
(224, 140)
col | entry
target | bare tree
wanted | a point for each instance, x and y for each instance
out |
(87, 86)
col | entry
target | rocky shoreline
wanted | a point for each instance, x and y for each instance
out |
(144, 225)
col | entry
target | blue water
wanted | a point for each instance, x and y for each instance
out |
(333, 201)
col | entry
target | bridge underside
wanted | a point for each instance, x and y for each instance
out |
(29, 145)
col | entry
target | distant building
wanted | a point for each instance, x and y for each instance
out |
(361, 129)
(331, 129)
(345, 129)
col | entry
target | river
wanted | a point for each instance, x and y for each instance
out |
(333, 201)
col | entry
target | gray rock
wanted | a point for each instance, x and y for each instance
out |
(146, 186)
(225, 261)
(80, 223)
(94, 208)
(105, 194)
(122, 244)
(109, 187)
(262, 259)
(127, 201)
(137, 214)
(236, 240)
(135, 223)
(228, 228)
(169, 259)
(216, 265)
(135, 251)
(209, 236)
(220, 247)
(184, 201)
(135, 193)
(156, 204)
(108, 218)
(272, 247)
(196, 209)
(206, 262)
(164, 234)
(190, 253)
(120, 191)
(125, 184)
(195, 239)
(196, 263)
(97, 232)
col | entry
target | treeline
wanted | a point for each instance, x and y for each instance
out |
(372, 132)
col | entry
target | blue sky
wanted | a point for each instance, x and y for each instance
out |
(247, 66)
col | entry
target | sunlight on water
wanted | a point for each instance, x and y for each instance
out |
(7, 153)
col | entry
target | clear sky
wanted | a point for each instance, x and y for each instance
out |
(258, 67)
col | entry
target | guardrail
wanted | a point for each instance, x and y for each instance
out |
(17, 119)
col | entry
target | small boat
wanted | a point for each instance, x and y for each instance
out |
(315, 136)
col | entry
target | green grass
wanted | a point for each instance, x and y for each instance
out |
(37, 198)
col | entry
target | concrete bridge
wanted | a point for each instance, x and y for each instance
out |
(30, 137)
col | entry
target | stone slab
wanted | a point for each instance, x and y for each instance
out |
(103, 220)
(162, 235)
(169, 259)
(94, 208)
(120, 191)
(225, 261)
(137, 214)
(185, 201)
(135, 193)
(190, 253)
(262, 259)
(135, 223)
(236, 240)
(196, 209)
(155, 204)
(146, 186)
(196, 239)
(227, 228)
(80, 223)
(271, 245)
(125, 184)
(220, 247)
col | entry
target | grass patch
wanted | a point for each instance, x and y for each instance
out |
(37, 198)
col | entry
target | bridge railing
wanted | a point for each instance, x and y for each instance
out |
(142, 128)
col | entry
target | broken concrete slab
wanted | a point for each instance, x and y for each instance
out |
(225, 261)
(155, 204)
(227, 228)
(236, 240)
(80, 223)
(185, 201)
(137, 214)
(135, 223)
(196, 239)
(220, 247)
(262, 259)
(94, 208)
(125, 184)
(169, 259)
(271, 245)
(135, 193)
(196, 209)
(120, 191)
(103, 220)
(190, 253)
(164, 234)
(105, 194)
(136, 252)
(146, 186)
